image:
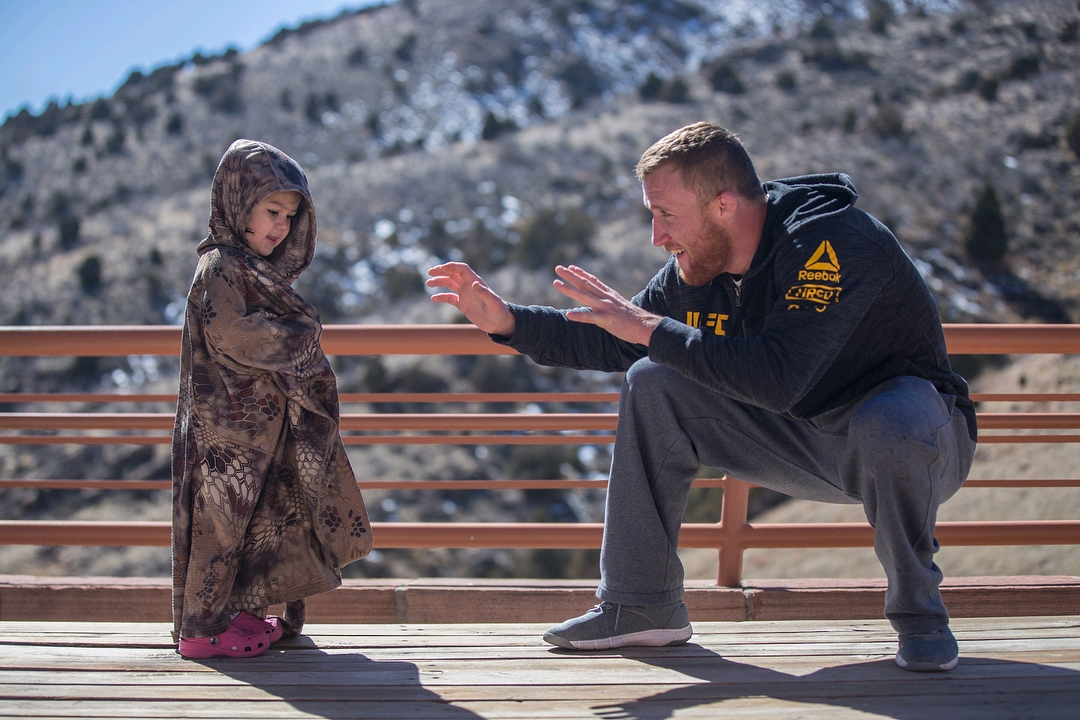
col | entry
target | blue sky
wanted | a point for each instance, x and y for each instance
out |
(85, 48)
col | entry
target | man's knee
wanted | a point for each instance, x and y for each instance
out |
(645, 373)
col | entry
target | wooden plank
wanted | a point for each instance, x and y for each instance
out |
(25, 598)
(865, 599)
(976, 705)
(519, 634)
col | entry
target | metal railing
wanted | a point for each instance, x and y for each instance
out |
(730, 537)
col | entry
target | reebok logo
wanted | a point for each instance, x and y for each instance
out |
(823, 265)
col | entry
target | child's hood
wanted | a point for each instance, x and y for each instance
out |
(247, 173)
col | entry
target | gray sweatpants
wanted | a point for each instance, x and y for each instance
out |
(900, 451)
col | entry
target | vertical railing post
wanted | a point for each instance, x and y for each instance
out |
(733, 519)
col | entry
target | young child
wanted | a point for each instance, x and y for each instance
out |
(266, 509)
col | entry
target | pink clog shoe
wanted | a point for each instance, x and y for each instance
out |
(272, 625)
(231, 643)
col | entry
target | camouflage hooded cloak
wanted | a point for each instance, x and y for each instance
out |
(266, 508)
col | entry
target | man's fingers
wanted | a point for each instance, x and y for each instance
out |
(448, 298)
(574, 293)
(450, 268)
(583, 315)
(573, 272)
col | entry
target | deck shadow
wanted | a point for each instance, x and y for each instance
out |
(978, 688)
(339, 685)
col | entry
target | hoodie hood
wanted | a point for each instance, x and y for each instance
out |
(799, 201)
(248, 172)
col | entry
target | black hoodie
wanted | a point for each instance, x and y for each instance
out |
(830, 307)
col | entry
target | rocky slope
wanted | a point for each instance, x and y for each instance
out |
(505, 132)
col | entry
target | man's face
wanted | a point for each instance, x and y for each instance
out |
(270, 221)
(686, 229)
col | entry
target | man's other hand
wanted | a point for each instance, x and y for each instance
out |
(604, 307)
(470, 295)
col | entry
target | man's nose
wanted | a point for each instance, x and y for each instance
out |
(658, 234)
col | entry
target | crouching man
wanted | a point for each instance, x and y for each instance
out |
(788, 341)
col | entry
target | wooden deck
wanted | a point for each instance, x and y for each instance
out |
(1020, 667)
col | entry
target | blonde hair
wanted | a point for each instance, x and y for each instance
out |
(710, 158)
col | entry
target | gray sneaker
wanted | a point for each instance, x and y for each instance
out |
(609, 626)
(928, 652)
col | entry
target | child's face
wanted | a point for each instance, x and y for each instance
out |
(270, 220)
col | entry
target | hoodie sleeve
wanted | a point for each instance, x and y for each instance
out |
(826, 284)
(548, 338)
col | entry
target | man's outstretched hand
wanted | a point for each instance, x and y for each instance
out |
(469, 294)
(603, 306)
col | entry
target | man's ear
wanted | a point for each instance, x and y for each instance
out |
(724, 205)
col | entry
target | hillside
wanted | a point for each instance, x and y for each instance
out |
(505, 132)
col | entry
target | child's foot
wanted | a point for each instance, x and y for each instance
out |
(295, 615)
(231, 643)
(248, 623)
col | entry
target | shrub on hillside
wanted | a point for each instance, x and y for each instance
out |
(1070, 32)
(985, 239)
(1024, 67)
(357, 56)
(100, 110)
(13, 170)
(880, 16)
(553, 237)
(221, 90)
(404, 51)
(887, 121)
(724, 77)
(493, 127)
(787, 80)
(114, 144)
(175, 125)
(90, 274)
(650, 88)
(674, 90)
(581, 81)
(69, 231)
(830, 57)
(402, 281)
(1072, 135)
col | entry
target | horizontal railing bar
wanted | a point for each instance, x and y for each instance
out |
(106, 341)
(391, 397)
(482, 397)
(460, 422)
(112, 340)
(567, 535)
(796, 535)
(86, 397)
(1010, 438)
(1023, 483)
(448, 397)
(1025, 397)
(472, 484)
(88, 484)
(1028, 421)
(567, 439)
(1019, 339)
(349, 422)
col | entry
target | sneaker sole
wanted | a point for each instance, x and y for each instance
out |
(927, 667)
(646, 638)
